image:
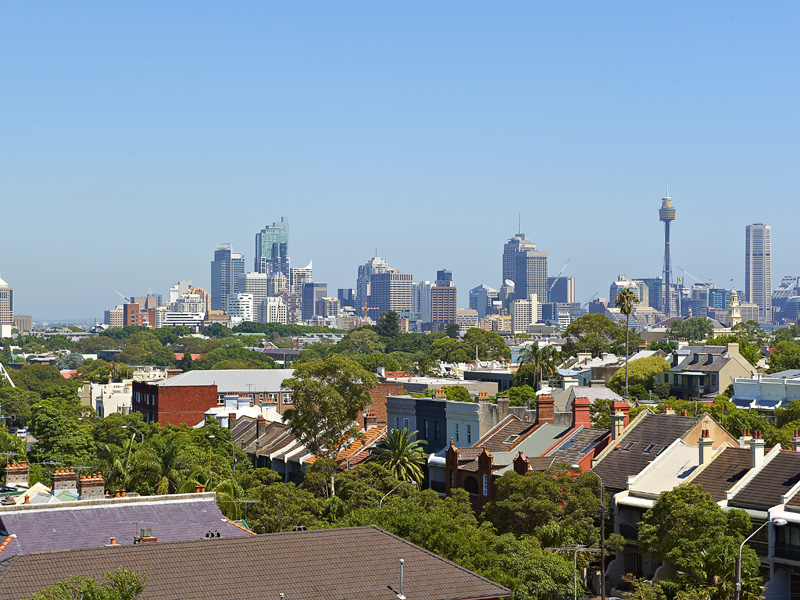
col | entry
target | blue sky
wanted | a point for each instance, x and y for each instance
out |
(136, 136)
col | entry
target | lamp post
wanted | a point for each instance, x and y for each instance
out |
(737, 586)
(602, 532)
(233, 450)
(380, 504)
(134, 430)
(575, 550)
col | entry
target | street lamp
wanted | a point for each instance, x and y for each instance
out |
(575, 550)
(737, 586)
(233, 450)
(134, 430)
(380, 504)
(602, 532)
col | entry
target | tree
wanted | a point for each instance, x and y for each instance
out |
(327, 397)
(114, 585)
(749, 350)
(362, 341)
(786, 355)
(388, 324)
(596, 333)
(452, 330)
(491, 345)
(522, 395)
(641, 372)
(73, 360)
(402, 455)
(540, 359)
(694, 329)
(624, 302)
(186, 363)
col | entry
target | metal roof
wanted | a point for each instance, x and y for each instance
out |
(233, 380)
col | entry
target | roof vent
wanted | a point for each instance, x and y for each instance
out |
(212, 534)
(299, 528)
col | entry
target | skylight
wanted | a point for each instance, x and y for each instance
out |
(510, 439)
(649, 448)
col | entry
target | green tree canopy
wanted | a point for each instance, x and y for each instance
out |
(114, 585)
(640, 372)
(694, 329)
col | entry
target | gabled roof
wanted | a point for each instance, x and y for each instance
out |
(575, 446)
(506, 435)
(51, 527)
(724, 472)
(640, 444)
(775, 479)
(307, 564)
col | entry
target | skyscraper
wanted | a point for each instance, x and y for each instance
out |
(666, 214)
(525, 266)
(511, 249)
(311, 293)
(758, 269)
(390, 290)
(443, 300)
(6, 308)
(272, 248)
(225, 270)
(562, 290)
(365, 272)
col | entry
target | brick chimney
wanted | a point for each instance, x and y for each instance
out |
(620, 414)
(545, 412)
(668, 410)
(92, 487)
(231, 420)
(521, 464)
(581, 409)
(757, 448)
(796, 441)
(744, 439)
(64, 479)
(502, 408)
(17, 474)
(706, 446)
(370, 420)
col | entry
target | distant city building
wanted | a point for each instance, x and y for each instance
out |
(444, 300)
(719, 298)
(23, 323)
(311, 293)
(6, 304)
(298, 277)
(563, 289)
(347, 297)
(241, 306)
(363, 281)
(254, 284)
(758, 269)
(272, 248)
(637, 286)
(225, 270)
(389, 291)
(786, 295)
(467, 318)
(750, 312)
(524, 313)
(272, 310)
(175, 292)
(277, 283)
(511, 249)
(328, 306)
(526, 267)
(189, 303)
(482, 298)
(114, 317)
(421, 300)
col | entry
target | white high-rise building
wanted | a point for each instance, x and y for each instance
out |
(298, 277)
(758, 269)
(525, 313)
(254, 284)
(240, 306)
(272, 310)
(421, 300)
(177, 290)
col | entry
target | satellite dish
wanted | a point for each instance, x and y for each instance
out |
(510, 283)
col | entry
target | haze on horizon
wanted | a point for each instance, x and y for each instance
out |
(134, 138)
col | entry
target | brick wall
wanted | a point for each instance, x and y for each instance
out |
(185, 403)
(378, 395)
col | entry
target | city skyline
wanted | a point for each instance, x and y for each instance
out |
(425, 131)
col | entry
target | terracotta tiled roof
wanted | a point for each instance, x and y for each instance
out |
(307, 564)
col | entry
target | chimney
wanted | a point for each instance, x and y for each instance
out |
(502, 408)
(733, 349)
(64, 479)
(620, 414)
(683, 412)
(113, 541)
(544, 410)
(483, 397)
(17, 475)
(92, 487)
(231, 420)
(27, 499)
(668, 410)
(370, 420)
(581, 409)
(796, 441)
(744, 440)
(521, 464)
(757, 448)
(440, 394)
(706, 446)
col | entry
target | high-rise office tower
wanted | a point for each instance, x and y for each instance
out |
(421, 300)
(6, 305)
(272, 248)
(298, 277)
(389, 291)
(531, 273)
(347, 297)
(254, 284)
(666, 214)
(311, 293)
(758, 269)
(562, 290)
(225, 270)
(365, 272)
(443, 300)
(511, 249)
(241, 306)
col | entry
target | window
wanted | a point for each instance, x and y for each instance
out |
(628, 446)
(469, 434)
(436, 430)
(287, 399)
(511, 439)
(425, 428)
(649, 448)
(568, 444)
(273, 396)
(456, 432)
(674, 380)
(485, 485)
(405, 424)
(397, 422)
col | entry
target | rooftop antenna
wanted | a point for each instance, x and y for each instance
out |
(667, 194)
(519, 223)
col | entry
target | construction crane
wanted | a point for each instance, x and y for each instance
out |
(590, 299)
(555, 280)
(696, 278)
(121, 295)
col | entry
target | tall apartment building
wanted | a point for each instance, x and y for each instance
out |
(311, 293)
(272, 310)
(298, 277)
(389, 291)
(525, 313)
(254, 284)
(443, 300)
(563, 289)
(241, 305)
(225, 270)
(421, 300)
(374, 265)
(758, 269)
(6, 305)
(272, 248)
(277, 284)
(114, 317)
(511, 249)
(328, 306)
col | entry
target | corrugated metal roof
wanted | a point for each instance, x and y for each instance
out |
(233, 380)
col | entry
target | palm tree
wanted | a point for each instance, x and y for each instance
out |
(165, 463)
(625, 301)
(403, 455)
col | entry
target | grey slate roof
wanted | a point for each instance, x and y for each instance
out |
(233, 380)
(300, 565)
(724, 472)
(47, 528)
(774, 479)
(572, 449)
(658, 430)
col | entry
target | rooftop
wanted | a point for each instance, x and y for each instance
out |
(233, 380)
(724, 472)
(775, 479)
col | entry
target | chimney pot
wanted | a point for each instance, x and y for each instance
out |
(683, 412)
(113, 541)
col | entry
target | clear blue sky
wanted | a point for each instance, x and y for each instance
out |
(136, 136)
